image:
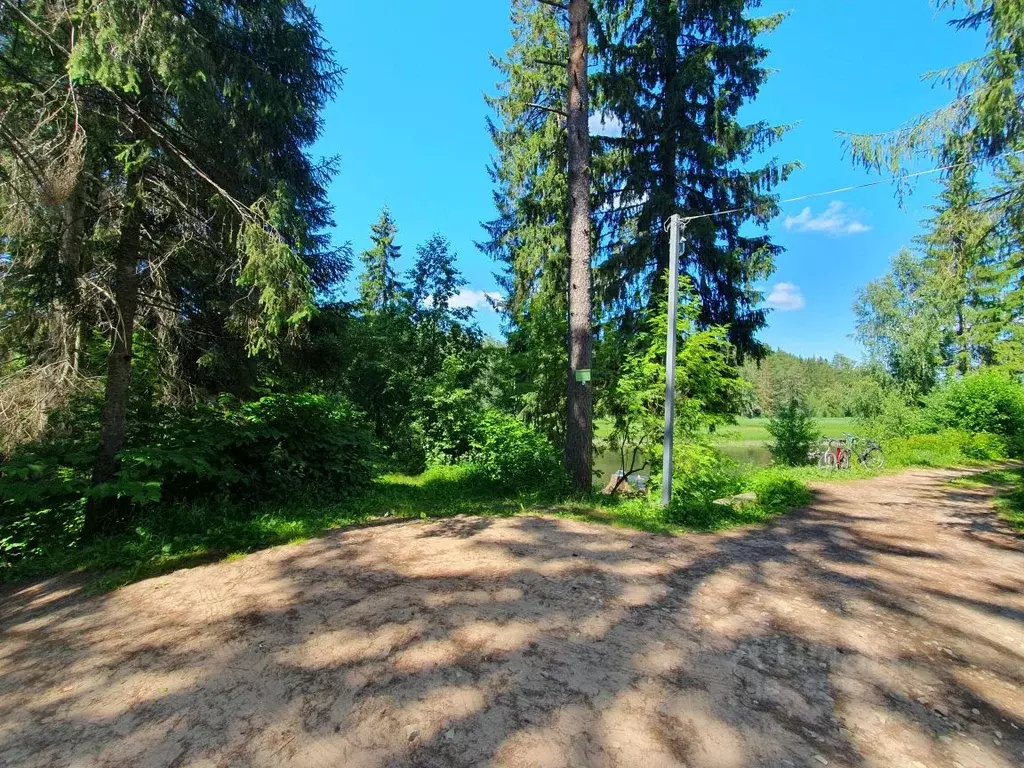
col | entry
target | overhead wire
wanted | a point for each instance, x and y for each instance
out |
(895, 178)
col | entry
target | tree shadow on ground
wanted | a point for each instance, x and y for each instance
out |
(852, 633)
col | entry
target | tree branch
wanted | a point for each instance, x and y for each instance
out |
(549, 109)
(553, 4)
(552, 62)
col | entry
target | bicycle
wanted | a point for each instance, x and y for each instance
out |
(870, 456)
(825, 453)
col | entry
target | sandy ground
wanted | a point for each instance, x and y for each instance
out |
(884, 626)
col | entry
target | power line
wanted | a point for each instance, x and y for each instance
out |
(851, 188)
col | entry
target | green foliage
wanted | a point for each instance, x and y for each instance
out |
(379, 287)
(701, 475)
(987, 401)
(704, 475)
(957, 305)
(684, 147)
(709, 391)
(528, 237)
(830, 388)
(942, 449)
(887, 413)
(404, 355)
(165, 537)
(778, 490)
(513, 455)
(231, 454)
(449, 414)
(899, 325)
(985, 446)
(793, 429)
(986, 110)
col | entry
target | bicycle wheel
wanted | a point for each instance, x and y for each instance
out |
(873, 458)
(828, 460)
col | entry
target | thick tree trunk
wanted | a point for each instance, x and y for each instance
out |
(579, 433)
(102, 514)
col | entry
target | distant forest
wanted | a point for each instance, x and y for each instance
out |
(836, 387)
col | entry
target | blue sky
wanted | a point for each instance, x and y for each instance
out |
(409, 126)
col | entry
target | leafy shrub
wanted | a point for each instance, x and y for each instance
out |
(986, 401)
(266, 450)
(778, 491)
(512, 454)
(448, 416)
(941, 449)
(701, 475)
(793, 430)
(887, 414)
(985, 446)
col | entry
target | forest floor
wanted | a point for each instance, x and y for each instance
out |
(881, 626)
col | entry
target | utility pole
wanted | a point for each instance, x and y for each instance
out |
(675, 226)
(579, 432)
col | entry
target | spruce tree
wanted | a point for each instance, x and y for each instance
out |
(378, 285)
(434, 280)
(195, 200)
(529, 237)
(675, 74)
(962, 271)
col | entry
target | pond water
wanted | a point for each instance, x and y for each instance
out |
(748, 452)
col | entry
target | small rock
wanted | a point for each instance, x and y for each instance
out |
(411, 732)
(821, 759)
(975, 711)
(946, 739)
(449, 734)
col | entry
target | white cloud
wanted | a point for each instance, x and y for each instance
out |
(602, 124)
(473, 299)
(786, 297)
(835, 220)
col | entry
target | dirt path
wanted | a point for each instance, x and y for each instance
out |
(884, 626)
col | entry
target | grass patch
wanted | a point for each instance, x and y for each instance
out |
(755, 430)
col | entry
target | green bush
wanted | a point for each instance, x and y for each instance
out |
(987, 401)
(702, 475)
(793, 430)
(985, 446)
(777, 490)
(943, 449)
(448, 416)
(888, 414)
(262, 451)
(511, 454)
